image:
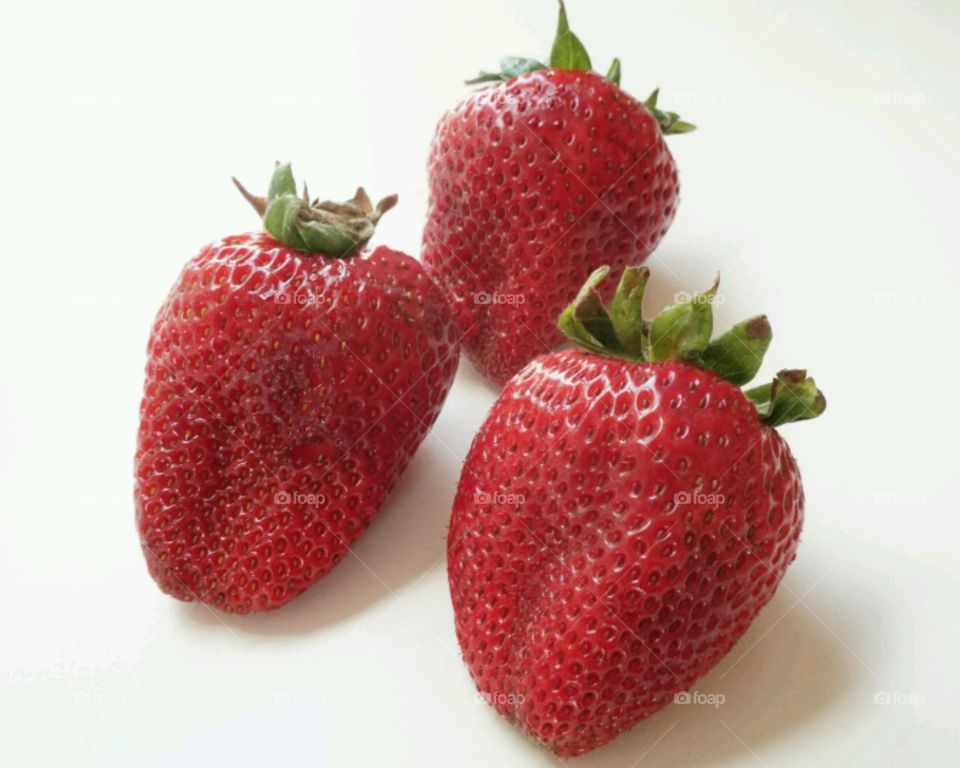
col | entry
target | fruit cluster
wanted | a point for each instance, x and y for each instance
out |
(626, 509)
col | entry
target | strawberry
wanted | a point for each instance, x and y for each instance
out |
(536, 180)
(291, 375)
(623, 514)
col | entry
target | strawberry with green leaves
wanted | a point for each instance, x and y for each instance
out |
(291, 374)
(542, 175)
(623, 514)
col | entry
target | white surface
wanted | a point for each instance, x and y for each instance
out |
(822, 183)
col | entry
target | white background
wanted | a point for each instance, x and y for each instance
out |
(822, 183)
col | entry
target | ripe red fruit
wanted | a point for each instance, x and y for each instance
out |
(290, 377)
(620, 520)
(535, 181)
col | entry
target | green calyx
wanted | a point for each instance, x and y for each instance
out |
(683, 332)
(791, 396)
(670, 122)
(333, 229)
(569, 53)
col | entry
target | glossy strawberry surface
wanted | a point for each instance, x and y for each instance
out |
(616, 529)
(534, 182)
(285, 393)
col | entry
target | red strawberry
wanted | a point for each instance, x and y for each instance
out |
(535, 181)
(622, 516)
(290, 378)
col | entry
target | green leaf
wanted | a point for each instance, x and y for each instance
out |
(335, 229)
(738, 354)
(568, 52)
(572, 325)
(512, 66)
(485, 77)
(324, 238)
(281, 183)
(678, 125)
(760, 397)
(669, 122)
(592, 315)
(683, 330)
(626, 311)
(614, 72)
(790, 397)
(280, 220)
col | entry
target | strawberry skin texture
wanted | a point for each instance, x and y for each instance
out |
(285, 393)
(587, 593)
(535, 182)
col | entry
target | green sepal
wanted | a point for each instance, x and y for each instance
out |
(626, 314)
(738, 354)
(567, 51)
(676, 125)
(790, 397)
(281, 183)
(325, 238)
(669, 122)
(486, 77)
(683, 330)
(571, 322)
(332, 228)
(614, 72)
(590, 313)
(281, 219)
(511, 66)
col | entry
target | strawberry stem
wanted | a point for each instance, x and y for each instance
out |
(682, 332)
(333, 229)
